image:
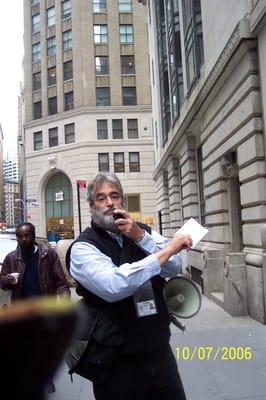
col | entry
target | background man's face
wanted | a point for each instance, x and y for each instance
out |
(25, 237)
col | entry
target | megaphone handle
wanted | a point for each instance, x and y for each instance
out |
(177, 323)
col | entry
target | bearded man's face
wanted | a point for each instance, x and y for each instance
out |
(107, 199)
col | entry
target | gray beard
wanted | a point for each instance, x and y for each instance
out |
(105, 222)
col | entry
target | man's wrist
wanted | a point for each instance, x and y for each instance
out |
(140, 236)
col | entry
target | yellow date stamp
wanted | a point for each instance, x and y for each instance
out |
(205, 353)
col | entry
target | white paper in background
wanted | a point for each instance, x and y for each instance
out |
(194, 229)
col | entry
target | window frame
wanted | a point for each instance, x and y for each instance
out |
(134, 166)
(51, 17)
(53, 137)
(68, 105)
(125, 69)
(99, 3)
(100, 168)
(102, 132)
(51, 80)
(117, 131)
(103, 36)
(63, 12)
(132, 132)
(52, 105)
(124, 3)
(99, 99)
(119, 166)
(65, 71)
(102, 69)
(129, 36)
(129, 99)
(35, 26)
(51, 46)
(36, 55)
(37, 115)
(67, 40)
(69, 136)
(36, 83)
(37, 141)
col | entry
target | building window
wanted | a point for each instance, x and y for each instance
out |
(132, 202)
(50, 16)
(51, 46)
(69, 133)
(125, 6)
(51, 76)
(99, 6)
(102, 65)
(52, 105)
(193, 39)
(103, 96)
(132, 129)
(33, 2)
(100, 34)
(36, 52)
(127, 65)
(67, 70)
(35, 23)
(37, 110)
(69, 101)
(36, 81)
(66, 9)
(53, 137)
(37, 140)
(119, 163)
(117, 125)
(126, 33)
(134, 164)
(102, 129)
(129, 96)
(67, 40)
(103, 162)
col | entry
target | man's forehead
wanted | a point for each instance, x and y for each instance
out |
(24, 229)
(106, 188)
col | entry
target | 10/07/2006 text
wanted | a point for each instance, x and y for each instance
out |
(224, 353)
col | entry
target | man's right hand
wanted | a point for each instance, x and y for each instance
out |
(8, 280)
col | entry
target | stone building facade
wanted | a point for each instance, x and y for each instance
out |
(208, 64)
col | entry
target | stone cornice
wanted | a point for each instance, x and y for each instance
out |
(88, 110)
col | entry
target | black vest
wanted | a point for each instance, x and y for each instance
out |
(141, 334)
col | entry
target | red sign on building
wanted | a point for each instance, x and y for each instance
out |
(82, 184)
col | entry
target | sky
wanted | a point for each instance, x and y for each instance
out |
(11, 50)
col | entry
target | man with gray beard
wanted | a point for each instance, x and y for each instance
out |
(120, 265)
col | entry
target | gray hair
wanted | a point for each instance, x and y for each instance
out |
(99, 180)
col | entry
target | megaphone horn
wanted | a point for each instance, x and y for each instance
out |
(182, 297)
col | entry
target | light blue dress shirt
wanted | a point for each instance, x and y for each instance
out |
(96, 271)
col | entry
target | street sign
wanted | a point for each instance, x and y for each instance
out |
(81, 183)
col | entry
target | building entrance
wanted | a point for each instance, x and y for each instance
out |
(59, 208)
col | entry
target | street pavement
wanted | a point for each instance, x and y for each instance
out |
(220, 358)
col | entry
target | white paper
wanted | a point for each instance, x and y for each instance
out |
(195, 230)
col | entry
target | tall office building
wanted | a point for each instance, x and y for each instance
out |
(2, 203)
(87, 108)
(10, 170)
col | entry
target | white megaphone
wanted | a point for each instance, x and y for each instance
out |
(183, 299)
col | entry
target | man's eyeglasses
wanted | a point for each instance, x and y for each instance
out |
(102, 197)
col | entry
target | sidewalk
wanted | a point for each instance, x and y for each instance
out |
(209, 335)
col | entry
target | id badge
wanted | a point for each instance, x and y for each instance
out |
(144, 300)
